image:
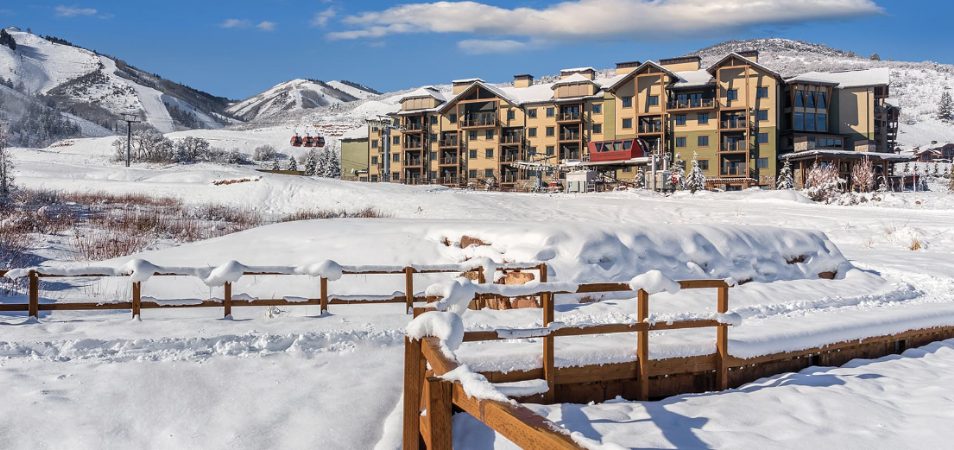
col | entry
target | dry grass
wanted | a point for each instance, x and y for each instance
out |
(313, 214)
(95, 246)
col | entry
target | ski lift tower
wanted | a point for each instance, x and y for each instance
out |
(386, 124)
(130, 118)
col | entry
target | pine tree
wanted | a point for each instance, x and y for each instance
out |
(785, 179)
(311, 163)
(640, 181)
(7, 40)
(333, 165)
(292, 164)
(275, 165)
(945, 108)
(697, 178)
(321, 168)
(678, 174)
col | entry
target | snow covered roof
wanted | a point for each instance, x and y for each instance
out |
(572, 79)
(693, 78)
(426, 91)
(532, 94)
(467, 80)
(623, 79)
(578, 69)
(762, 67)
(848, 78)
(356, 133)
(847, 154)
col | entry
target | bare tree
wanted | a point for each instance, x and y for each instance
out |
(6, 169)
(822, 184)
(863, 176)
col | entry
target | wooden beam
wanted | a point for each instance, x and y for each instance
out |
(722, 341)
(323, 292)
(440, 405)
(227, 300)
(440, 364)
(642, 344)
(136, 299)
(409, 288)
(549, 372)
(413, 383)
(34, 309)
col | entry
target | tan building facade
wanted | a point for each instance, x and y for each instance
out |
(735, 117)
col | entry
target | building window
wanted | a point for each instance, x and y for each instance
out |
(433, 175)
(820, 100)
(627, 102)
(532, 113)
(704, 164)
(809, 100)
(761, 114)
(821, 122)
(703, 141)
(472, 135)
(396, 140)
(762, 163)
(627, 123)
(551, 131)
(374, 143)
(653, 100)
(433, 120)
(532, 151)
(472, 153)
(597, 128)
(628, 169)
(511, 114)
(597, 108)
(810, 122)
(472, 173)
(452, 118)
(732, 94)
(489, 153)
(550, 150)
(374, 160)
(680, 142)
(680, 119)
(396, 157)
(488, 173)
(761, 92)
(532, 132)
(763, 138)
(433, 137)
(550, 112)
(798, 121)
(433, 156)
(799, 100)
(703, 118)
(374, 178)
(488, 134)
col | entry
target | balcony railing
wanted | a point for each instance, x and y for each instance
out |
(448, 160)
(733, 124)
(413, 126)
(733, 171)
(509, 156)
(449, 142)
(734, 146)
(692, 104)
(508, 178)
(570, 136)
(449, 180)
(413, 161)
(650, 128)
(480, 120)
(511, 139)
(417, 145)
(571, 116)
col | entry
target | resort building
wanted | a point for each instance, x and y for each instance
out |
(736, 117)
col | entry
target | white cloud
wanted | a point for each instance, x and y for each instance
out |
(322, 18)
(73, 11)
(235, 23)
(591, 19)
(266, 25)
(485, 46)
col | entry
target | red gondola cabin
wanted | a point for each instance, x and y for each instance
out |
(621, 150)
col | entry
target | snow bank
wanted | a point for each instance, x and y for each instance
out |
(447, 327)
(654, 282)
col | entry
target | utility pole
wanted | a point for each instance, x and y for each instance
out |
(129, 118)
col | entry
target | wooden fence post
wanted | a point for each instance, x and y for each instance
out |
(440, 397)
(34, 307)
(408, 289)
(227, 301)
(413, 384)
(324, 295)
(722, 341)
(549, 365)
(642, 344)
(136, 299)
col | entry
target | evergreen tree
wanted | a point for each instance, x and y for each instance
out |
(640, 181)
(945, 108)
(311, 163)
(678, 174)
(321, 157)
(785, 179)
(7, 40)
(292, 164)
(333, 164)
(275, 165)
(697, 178)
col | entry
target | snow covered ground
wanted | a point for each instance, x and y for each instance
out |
(899, 401)
(189, 379)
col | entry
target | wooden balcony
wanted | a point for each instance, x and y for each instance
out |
(650, 128)
(572, 116)
(414, 145)
(706, 103)
(479, 120)
(735, 146)
(511, 139)
(570, 136)
(413, 127)
(733, 171)
(448, 161)
(733, 124)
(449, 143)
(509, 157)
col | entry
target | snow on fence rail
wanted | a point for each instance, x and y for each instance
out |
(225, 275)
(433, 374)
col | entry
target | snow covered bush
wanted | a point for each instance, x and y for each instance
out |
(696, 179)
(822, 184)
(265, 153)
(292, 164)
(678, 174)
(191, 149)
(39, 126)
(863, 176)
(785, 179)
(639, 182)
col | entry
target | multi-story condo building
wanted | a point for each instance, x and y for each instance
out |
(736, 117)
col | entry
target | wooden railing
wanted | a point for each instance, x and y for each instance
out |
(520, 425)
(136, 303)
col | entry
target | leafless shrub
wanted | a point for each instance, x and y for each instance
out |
(863, 176)
(96, 246)
(314, 214)
(822, 184)
(220, 213)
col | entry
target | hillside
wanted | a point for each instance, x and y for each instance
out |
(298, 95)
(915, 86)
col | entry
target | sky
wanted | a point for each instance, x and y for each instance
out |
(238, 48)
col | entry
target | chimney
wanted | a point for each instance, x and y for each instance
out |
(588, 72)
(752, 55)
(623, 68)
(682, 63)
(523, 80)
(462, 85)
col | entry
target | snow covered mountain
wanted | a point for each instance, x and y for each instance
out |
(915, 86)
(297, 95)
(100, 88)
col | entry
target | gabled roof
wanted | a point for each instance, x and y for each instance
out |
(849, 78)
(694, 78)
(482, 84)
(715, 66)
(576, 78)
(636, 71)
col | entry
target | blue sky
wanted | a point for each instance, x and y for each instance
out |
(238, 48)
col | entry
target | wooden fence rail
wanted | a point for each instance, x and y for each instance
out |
(136, 304)
(519, 424)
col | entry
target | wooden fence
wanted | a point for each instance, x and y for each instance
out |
(136, 304)
(425, 364)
